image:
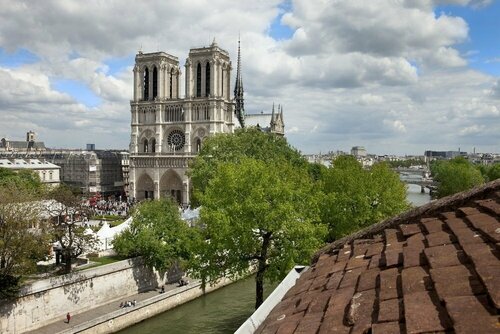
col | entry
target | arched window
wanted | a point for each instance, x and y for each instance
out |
(198, 81)
(153, 145)
(207, 79)
(198, 145)
(145, 86)
(171, 80)
(222, 83)
(155, 82)
(146, 146)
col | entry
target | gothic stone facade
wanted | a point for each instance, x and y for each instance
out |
(168, 131)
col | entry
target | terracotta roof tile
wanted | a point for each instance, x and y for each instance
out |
(357, 262)
(344, 253)
(376, 261)
(319, 282)
(360, 310)
(414, 257)
(368, 279)
(416, 240)
(374, 249)
(393, 257)
(390, 284)
(424, 313)
(448, 215)
(490, 276)
(409, 229)
(471, 314)
(490, 205)
(444, 256)
(415, 279)
(468, 236)
(334, 280)
(388, 328)
(436, 270)
(351, 277)
(309, 324)
(468, 211)
(390, 310)
(331, 325)
(433, 225)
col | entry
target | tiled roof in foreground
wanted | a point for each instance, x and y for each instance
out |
(435, 269)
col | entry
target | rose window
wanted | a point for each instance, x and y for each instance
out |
(176, 139)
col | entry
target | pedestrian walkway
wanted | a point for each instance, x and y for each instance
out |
(80, 318)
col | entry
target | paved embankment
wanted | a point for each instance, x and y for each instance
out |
(110, 317)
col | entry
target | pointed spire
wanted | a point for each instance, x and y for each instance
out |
(273, 117)
(238, 91)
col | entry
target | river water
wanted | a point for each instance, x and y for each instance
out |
(415, 197)
(224, 310)
(218, 312)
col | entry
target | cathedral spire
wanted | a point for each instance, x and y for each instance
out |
(238, 91)
(273, 116)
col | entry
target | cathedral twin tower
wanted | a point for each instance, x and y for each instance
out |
(166, 130)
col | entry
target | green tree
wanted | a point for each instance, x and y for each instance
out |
(490, 172)
(354, 198)
(67, 212)
(25, 179)
(258, 215)
(159, 235)
(493, 172)
(455, 175)
(23, 237)
(247, 142)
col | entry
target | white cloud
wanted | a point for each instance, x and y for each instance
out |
(472, 130)
(385, 74)
(369, 99)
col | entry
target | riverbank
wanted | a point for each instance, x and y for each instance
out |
(110, 318)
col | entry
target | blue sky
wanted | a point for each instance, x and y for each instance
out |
(17, 58)
(483, 44)
(387, 75)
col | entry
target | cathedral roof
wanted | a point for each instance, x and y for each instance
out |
(432, 269)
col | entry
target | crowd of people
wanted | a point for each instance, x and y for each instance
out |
(109, 207)
(128, 303)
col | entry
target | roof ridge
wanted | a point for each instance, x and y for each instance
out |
(446, 203)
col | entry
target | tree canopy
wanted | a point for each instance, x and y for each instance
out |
(354, 197)
(25, 179)
(247, 142)
(258, 214)
(455, 175)
(67, 214)
(158, 234)
(23, 236)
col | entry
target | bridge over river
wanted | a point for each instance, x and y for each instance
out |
(418, 176)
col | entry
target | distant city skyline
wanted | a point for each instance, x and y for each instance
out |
(395, 77)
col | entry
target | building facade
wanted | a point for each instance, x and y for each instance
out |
(98, 171)
(19, 147)
(48, 172)
(167, 131)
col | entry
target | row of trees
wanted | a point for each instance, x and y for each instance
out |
(459, 174)
(264, 208)
(29, 224)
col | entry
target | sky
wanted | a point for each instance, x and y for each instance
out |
(395, 76)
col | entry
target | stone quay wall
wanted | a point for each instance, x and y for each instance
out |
(125, 317)
(45, 301)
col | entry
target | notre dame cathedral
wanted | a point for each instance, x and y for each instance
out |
(167, 131)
